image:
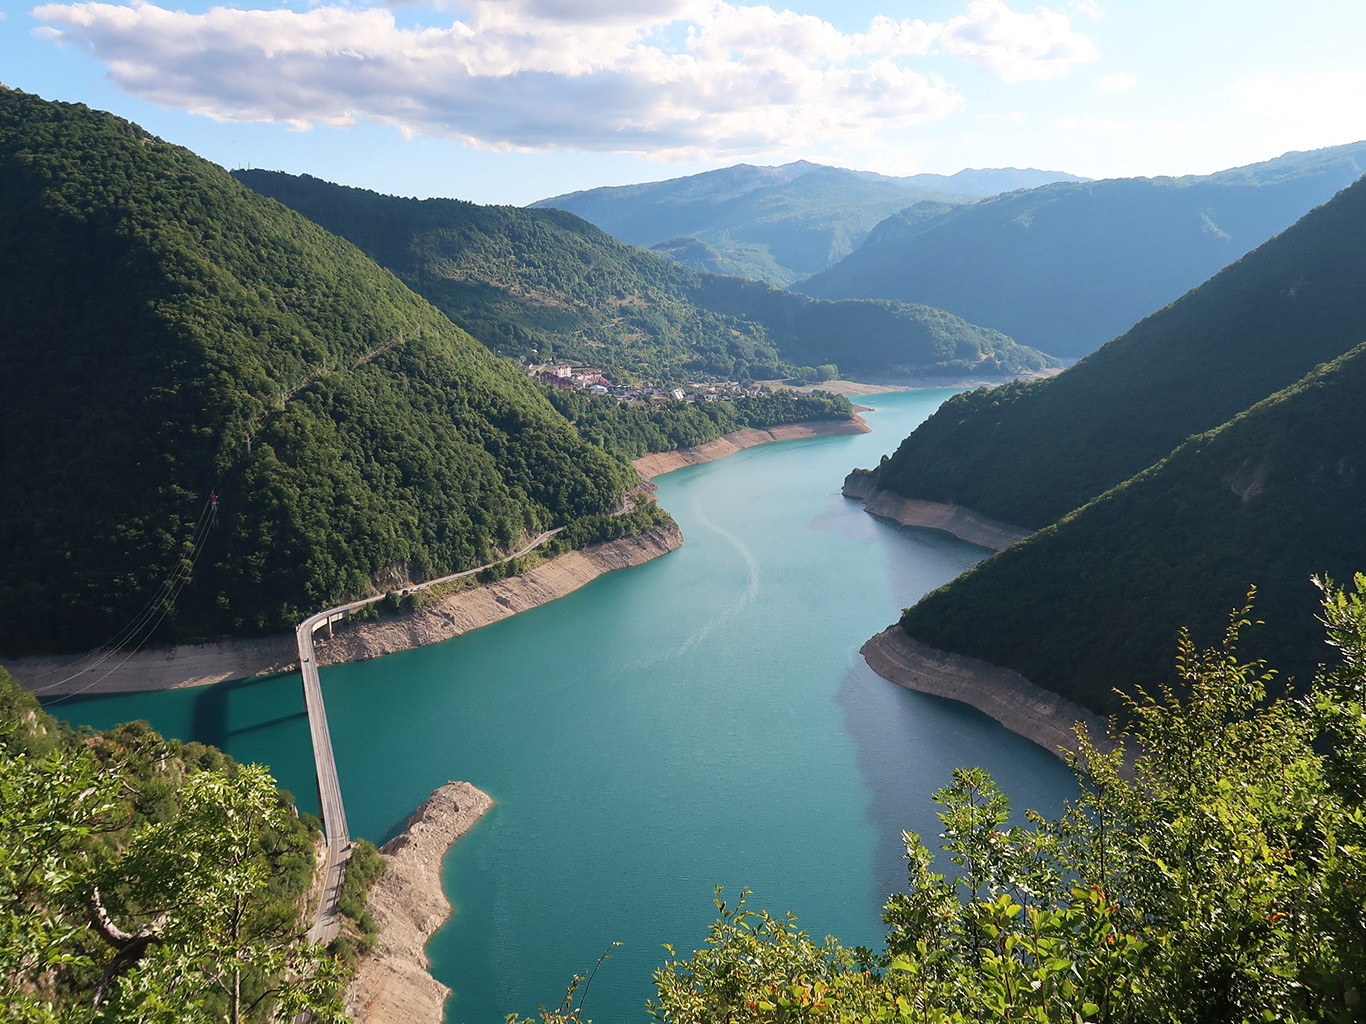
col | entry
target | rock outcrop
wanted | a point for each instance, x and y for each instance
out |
(963, 523)
(1021, 706)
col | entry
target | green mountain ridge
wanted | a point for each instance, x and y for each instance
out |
(775, 224)
(1030, 452)
(172, 334)
(545, 281)
(1096, 600)
(1067, 266)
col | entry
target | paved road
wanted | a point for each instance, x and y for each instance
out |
(327, 918)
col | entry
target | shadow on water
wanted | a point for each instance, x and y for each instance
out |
(210, 712)
(907, 745)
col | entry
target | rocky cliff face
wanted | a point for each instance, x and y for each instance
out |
(963, 523)
(1022, 707)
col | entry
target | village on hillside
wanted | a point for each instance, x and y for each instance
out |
(567, 377)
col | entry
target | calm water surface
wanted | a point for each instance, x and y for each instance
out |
(701, 720)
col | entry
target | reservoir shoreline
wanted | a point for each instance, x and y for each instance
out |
(228, 658)
(659, 463)
(1023, 707)
(963, 523)
(221, 660)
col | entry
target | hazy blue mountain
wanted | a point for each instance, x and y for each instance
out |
(776, 224)
(1067, 266)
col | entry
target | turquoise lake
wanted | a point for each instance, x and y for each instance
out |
(701, 720)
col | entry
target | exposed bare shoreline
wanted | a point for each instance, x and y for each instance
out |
(391, 983)
(457, 613)
(657, 464)
(963, 523)
(1021, 706)
(227, 658)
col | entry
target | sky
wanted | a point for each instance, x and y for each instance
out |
(510, 101)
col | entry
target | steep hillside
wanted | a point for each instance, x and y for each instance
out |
(171, 335)
(546, 281)
(1096, 600)
(1029, 453)
(1066, 267)
(776, 224)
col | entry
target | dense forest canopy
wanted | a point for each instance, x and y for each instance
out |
(545, 283)
(171, 334)
(144, 880)
(1068, 266)
(1269, 499)
(1030, 452)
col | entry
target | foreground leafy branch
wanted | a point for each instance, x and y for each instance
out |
(148, 881)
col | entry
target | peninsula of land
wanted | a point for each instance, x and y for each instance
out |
(392, 982)
(963, 523)
(1021, 706)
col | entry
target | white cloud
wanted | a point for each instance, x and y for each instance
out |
(1092, 125)
(1017, 47)
(582, 74)
(1118, 83)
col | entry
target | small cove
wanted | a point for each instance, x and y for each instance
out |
(703, 719)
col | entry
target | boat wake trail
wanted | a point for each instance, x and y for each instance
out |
(746, 598)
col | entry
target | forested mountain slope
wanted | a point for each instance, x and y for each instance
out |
(546, 281)
(775, 224)
(1096, 600)
(170, 334)
(1027, 453)
(1068, 266)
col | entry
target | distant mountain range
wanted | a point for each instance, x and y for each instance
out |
(1068, 266)
(545, 281)
(774, 224)
(1216, 446)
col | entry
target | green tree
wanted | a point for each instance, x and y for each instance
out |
(174, 920)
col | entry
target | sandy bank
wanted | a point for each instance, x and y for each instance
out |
(851, 388)
(200, 664)
(391, 984)
(963, 523)
(651, 466)
(1021, 706)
